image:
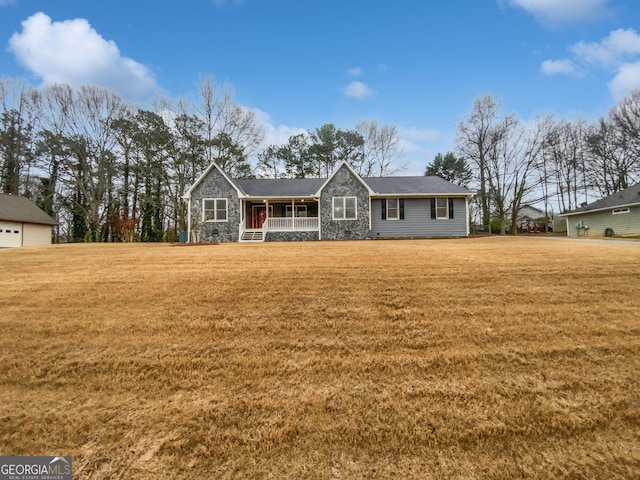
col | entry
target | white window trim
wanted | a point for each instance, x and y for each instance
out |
(344, 209)
(298, 209)
(397, 217)
(619, 211)
(215, 220)
(446, 202)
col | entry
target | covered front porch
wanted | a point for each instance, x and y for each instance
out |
(263, 215)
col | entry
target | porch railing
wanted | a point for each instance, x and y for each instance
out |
(291, 223)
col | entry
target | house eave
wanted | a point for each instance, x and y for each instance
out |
(423, 195)
(582, 212)
(279, 197)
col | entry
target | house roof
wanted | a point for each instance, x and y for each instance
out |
(310, 187)
(280, 187)
(14, 208)
(414, 186)
(624, 198)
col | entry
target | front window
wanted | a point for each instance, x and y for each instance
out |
(214, 210)
(442, 208)
(301, 210)
(393, 209)
(344, 208)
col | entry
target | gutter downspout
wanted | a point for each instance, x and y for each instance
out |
(466, 206)
(188, 219)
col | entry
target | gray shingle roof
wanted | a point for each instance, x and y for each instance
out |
(628, 196)
(14, 208)
(414, 186)
(307, 187)
(280, 187)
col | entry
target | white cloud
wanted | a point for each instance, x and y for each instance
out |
(354, 72)
(626, 80)
(414, 134)
(559, 67)
(560, 11)
(619, 53)
(359, 91)
(619, 46)
(274, 134)
(72, 52)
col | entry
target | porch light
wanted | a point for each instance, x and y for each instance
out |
(264, 201)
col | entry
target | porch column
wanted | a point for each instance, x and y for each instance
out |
(293, 213)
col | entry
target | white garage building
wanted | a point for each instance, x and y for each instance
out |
(22, 223)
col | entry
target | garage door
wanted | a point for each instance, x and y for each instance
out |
(10, 234)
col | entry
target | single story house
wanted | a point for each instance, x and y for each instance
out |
(23, 223)
(530, 219)
(343, 206)
(617, 215)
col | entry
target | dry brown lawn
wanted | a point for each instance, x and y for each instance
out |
(458, 359)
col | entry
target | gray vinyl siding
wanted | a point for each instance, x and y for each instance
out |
(624, 224)
(417, 220)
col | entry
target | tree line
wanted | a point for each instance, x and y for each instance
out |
(110, 171)
(557, 163)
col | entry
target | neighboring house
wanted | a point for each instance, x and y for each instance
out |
(343, 206)
(616, 215)
(530, 219)
(23, 223)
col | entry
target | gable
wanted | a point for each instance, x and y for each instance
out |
(343, 172)
(214, 172)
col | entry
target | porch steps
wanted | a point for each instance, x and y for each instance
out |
(252, 236)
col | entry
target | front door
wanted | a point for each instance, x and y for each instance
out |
(259, 215)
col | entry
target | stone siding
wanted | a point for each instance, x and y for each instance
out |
(291, 236)
(344, 184)
(215, 185)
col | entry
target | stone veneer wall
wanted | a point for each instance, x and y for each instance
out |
(344, 184)
(291, 236)
(214, 185)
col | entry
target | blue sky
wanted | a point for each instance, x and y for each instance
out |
(299, 64)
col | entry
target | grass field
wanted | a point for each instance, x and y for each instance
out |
(458, 359)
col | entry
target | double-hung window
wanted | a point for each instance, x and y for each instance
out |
(393, 209)
(442, 208)
(345, 208)
(214, 209)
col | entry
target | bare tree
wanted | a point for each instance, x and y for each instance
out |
(18, 123)
(92, 141)
(477, 138)
(232, 132)
(381, 149)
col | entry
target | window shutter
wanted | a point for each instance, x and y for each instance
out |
(384, 208)
(450, 208)
(401, 207)
(433, 208)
